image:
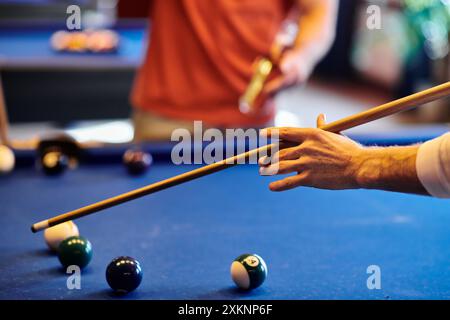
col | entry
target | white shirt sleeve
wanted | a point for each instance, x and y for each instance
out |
(433, 166)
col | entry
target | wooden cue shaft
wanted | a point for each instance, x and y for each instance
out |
(390, 108)
(384, 110)
(152, 188)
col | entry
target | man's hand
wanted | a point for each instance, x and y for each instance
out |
(327, 160)
(317, 27)
(294, 69)
(321, 159)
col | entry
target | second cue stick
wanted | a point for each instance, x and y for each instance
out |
(4, 139)
(384, 110)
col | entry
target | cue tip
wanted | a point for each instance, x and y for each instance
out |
(39, 226)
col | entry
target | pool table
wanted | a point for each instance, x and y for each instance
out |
(37, 80)
(317, 244)
(27, 46)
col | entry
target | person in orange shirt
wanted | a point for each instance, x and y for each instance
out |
(200, 60)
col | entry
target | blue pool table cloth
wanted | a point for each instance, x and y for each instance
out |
(317, 244)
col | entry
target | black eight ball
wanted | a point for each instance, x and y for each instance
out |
(124, 274)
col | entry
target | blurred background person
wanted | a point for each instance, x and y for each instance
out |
(200, 61)
(200, 57)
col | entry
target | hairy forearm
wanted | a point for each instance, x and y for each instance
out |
(392, 169)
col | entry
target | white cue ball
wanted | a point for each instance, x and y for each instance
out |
(7, 159)
(55, 235)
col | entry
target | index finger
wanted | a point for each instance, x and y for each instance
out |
(297, 135)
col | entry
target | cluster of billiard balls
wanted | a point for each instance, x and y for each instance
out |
(54, 161)
(124, 274)
(98, 41)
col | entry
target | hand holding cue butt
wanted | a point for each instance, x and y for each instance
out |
(379, 112)
(262, 68)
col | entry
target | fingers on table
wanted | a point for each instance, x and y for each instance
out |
(288, 183)
(281, 155)
(283, 167)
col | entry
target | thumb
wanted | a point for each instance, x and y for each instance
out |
(321, 120)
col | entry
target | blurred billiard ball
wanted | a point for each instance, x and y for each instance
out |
(57, 152)
(54, 162)
(7, 159)
(60, 40)
(124, 274)
(248, 271)
(137, 161)
(75, 251)
(103, 41)
(77, 41)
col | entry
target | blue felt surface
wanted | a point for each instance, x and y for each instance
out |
(401, 135)
(317, 244)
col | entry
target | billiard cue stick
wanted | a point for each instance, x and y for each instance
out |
(379, 112)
